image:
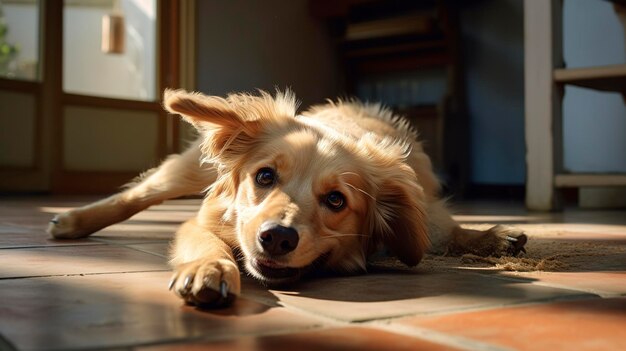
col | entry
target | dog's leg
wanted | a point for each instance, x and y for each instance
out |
(448, 237)
(178, 175)
(205, 270)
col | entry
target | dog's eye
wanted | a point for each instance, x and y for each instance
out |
(335, 200)
(265, 177)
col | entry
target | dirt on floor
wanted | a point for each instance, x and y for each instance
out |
(545, 251)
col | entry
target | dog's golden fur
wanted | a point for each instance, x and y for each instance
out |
(347, 178)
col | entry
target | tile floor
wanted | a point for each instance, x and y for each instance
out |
(109, 291)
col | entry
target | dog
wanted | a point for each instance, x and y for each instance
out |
(288, 193)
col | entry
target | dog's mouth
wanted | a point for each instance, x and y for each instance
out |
(276, 273)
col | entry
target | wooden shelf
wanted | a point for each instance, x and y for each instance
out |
(424, 47)
(402, 63)
(605, 78)
(387, 27)
(578, 180)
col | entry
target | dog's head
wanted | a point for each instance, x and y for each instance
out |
(298, 195)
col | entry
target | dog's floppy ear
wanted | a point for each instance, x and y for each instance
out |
(213, 116)
(398, 214)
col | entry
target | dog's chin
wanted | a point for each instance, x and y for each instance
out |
(273, 273)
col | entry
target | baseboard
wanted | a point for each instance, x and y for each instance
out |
(475, 191)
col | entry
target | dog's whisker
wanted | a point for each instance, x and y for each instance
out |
(341, 234)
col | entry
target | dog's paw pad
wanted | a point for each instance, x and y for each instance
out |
(209, 298)
(207, 283)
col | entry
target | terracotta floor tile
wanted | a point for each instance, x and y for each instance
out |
(126, 238)
(596, 324)
(11, 237)
(375, 296)
(600, 283)
(29, 222)
(357, 339)
(157, 224)
(104, 309)
(161, 214)
(32, 262)
(113, 310)
(24, 214)
(137, 232)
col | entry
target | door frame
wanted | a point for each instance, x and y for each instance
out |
(47, 173)
(71, 181)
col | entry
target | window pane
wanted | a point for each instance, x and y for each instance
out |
(19, 39)
(129, 73)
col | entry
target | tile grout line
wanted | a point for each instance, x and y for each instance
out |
(83, 274)
(147, 241)
(302, 311)
(50, 246)
(129, 246)
(550, 285)
(451, 312)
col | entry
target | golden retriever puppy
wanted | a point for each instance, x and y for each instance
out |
(287, 193)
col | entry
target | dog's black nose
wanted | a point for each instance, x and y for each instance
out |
(276, 239)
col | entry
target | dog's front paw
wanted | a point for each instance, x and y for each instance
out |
(207, 283)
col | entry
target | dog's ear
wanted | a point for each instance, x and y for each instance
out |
(213, 116)
(398, 214)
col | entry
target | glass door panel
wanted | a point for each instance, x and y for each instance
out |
(19, 39)
(110, 48)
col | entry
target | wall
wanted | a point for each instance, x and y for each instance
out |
(594, 122)
(493, 49)
(244, 45)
